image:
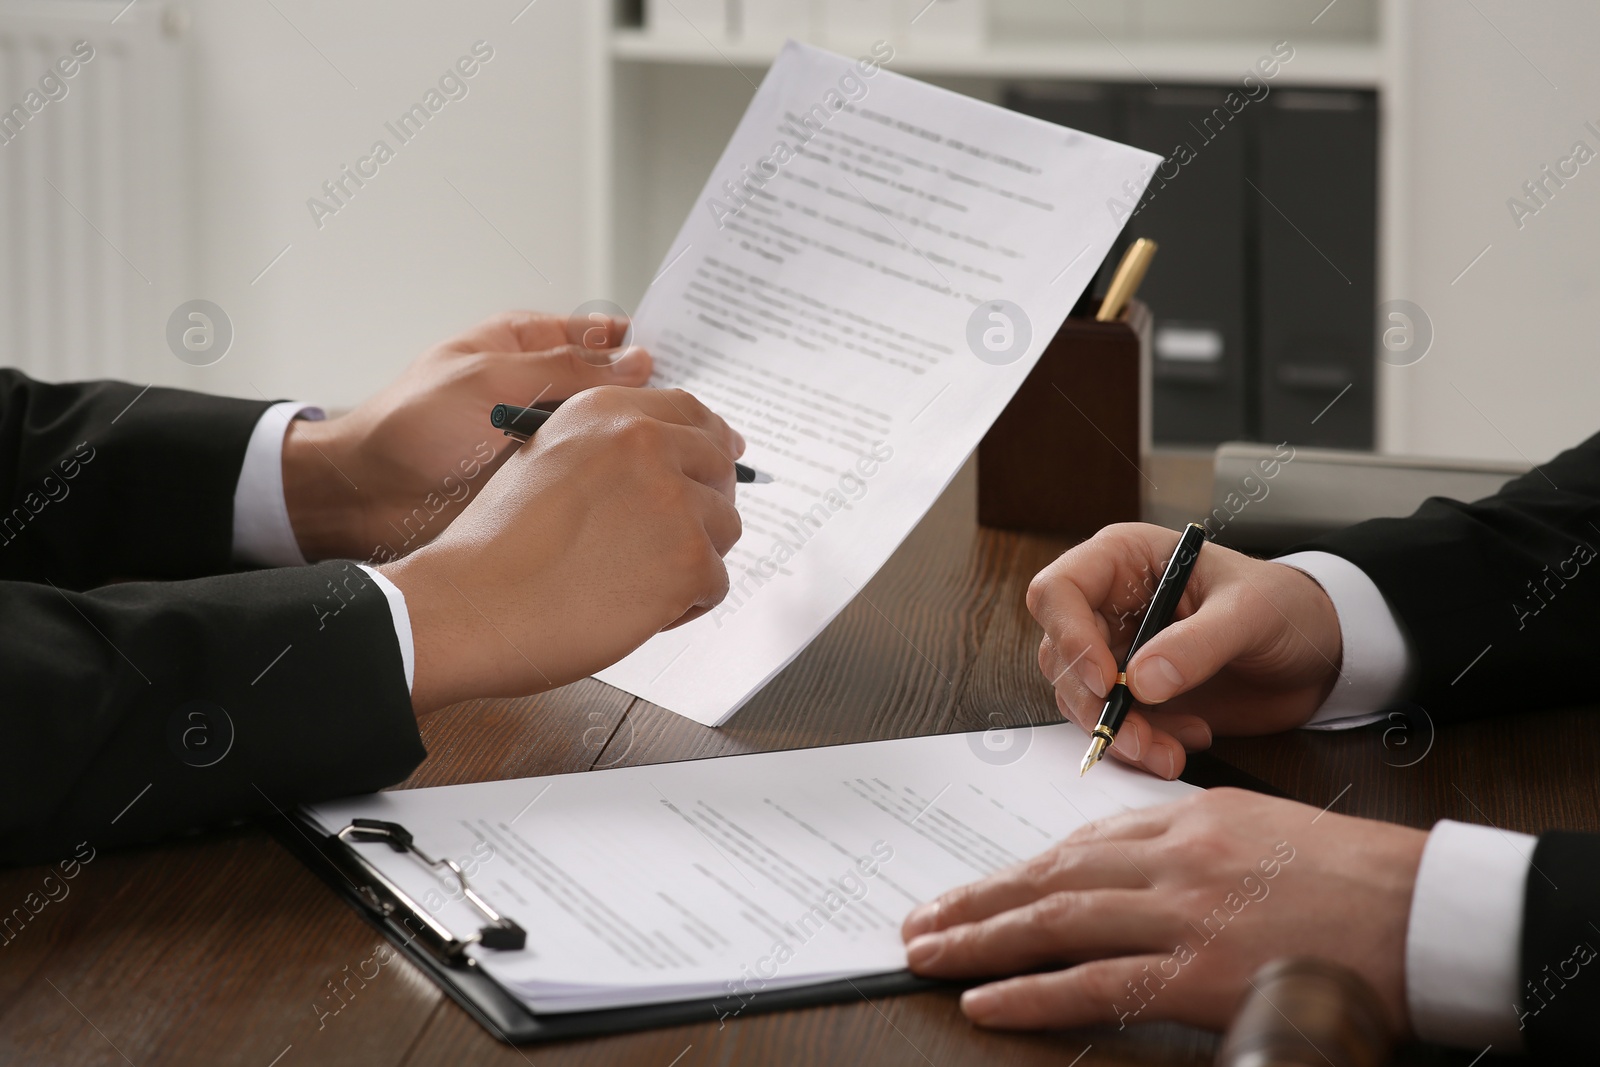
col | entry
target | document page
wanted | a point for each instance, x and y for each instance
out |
(871, 270)
(720, 877)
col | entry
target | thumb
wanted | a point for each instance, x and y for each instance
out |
(1189, 652)
(559, 373)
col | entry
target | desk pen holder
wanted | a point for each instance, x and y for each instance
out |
(1064, 458)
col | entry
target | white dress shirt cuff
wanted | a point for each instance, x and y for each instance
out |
(1464, 943)
(262, 534)
(402, 622)
(1375, 654)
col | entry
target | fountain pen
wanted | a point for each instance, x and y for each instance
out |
(1168, 592)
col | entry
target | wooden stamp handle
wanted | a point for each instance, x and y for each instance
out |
(1305, 1012)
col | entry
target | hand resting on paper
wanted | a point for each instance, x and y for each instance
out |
(1166, 912)
(1254, 648)
(609, 526)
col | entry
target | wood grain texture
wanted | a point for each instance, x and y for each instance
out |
(220, 949)
(1539, 778)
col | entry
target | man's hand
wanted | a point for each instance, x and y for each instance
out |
(389, 476)
(1254, 647)
(609, 526)
(1165, 913)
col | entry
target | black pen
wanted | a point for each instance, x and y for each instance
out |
(1168, 592)
(520, 423)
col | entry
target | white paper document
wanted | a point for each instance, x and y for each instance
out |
(712, 878)
(872, 269)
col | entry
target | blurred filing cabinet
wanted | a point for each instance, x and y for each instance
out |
(1264, 286)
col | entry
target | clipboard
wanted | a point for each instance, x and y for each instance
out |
(441, 954)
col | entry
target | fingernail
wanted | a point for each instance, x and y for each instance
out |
(980, 1003)
(632, 361)
(924, 950)
(1194, 737)
(1128, 744)
(1172, 763)
(1094, 679)
(1157, 679)
(922, 918)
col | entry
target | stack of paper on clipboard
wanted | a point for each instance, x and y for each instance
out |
(737, 877)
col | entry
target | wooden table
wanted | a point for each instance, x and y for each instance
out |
(215, 950)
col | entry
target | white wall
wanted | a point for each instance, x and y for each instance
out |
(1485, 100)
(407, 261)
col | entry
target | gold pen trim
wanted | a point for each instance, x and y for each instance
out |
(1100, 740)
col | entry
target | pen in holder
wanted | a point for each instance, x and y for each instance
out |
(1064, 458)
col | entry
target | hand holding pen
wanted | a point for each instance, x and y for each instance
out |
(606, 528)
(521, 423)
(1254, 648)
(1156, 618)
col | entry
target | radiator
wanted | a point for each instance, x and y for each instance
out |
(96, 238)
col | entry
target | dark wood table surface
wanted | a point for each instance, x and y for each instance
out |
(216, 950)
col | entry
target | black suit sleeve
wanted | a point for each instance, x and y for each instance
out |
(1500, 601)
(142, 709)
(105, 480)
(1561, 949)
(137, 710)
(1512, 579)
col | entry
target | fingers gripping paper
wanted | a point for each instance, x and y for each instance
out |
(872, 269)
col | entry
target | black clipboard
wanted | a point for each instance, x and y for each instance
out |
(1209, 772)
(440, 955)
(418, 937)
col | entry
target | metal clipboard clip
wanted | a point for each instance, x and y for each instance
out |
(383, 895)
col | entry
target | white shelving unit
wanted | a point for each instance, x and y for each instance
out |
(670, 101)
(1344, 65)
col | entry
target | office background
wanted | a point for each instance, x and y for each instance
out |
(180, 160)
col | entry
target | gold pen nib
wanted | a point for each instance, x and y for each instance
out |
(1097, 748)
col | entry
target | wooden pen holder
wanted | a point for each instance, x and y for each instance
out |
(1064, 458)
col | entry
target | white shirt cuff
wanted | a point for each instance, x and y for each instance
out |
(1376, 658)
(402, 622)
(262, 534)
(1464, 941)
